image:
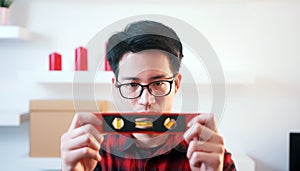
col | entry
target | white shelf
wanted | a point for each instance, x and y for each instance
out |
(239, 77)
(231, 78)
(85, 77)
(64, 77)
(12, 118)
(13, 32)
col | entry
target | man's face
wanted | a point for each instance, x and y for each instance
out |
(143, 68)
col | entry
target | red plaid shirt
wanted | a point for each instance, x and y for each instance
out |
(120, 152)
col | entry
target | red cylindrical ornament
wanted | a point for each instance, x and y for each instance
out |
(81, 59)
(55, 61)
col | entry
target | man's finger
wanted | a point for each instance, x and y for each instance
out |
(77, 155)
(85, 140)
(83, 118)
(210, 159)
(202, 146)
(201, 132)
(86, 129)
(206, 119)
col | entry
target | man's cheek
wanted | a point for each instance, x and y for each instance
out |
(132, 103)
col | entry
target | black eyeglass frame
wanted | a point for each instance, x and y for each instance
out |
(148, 88)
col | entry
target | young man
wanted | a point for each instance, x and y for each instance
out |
(145, 59)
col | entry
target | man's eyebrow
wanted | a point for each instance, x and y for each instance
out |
(130, 78)
(151, 78)
(158, 77)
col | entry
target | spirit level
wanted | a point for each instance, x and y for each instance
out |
(144, 122)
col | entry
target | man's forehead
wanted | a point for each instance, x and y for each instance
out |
(150, 64)
(152, 54)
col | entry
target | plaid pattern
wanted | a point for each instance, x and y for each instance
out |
(119, 152)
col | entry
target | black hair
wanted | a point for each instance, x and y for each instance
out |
(144, 35)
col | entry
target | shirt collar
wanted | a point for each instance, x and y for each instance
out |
(125, 142)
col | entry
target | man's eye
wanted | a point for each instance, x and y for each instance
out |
(133, 85)
(157, 84)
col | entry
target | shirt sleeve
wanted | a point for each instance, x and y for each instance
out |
(228, 162)
(98, 168)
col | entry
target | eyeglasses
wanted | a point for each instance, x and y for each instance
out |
(157, 88)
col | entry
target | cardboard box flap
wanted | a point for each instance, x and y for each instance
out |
(68, 105)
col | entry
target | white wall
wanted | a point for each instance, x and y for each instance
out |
(260, 37)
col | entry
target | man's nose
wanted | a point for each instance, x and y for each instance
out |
(146, 98)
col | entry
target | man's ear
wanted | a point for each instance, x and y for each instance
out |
(177, 82)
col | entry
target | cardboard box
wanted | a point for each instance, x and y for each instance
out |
(49, 119)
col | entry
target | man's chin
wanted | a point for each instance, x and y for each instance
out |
(148, 111)
(150, 140)
(145, 136)
(148, 137)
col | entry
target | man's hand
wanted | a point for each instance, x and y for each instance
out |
(206, 147)
(81, 144)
